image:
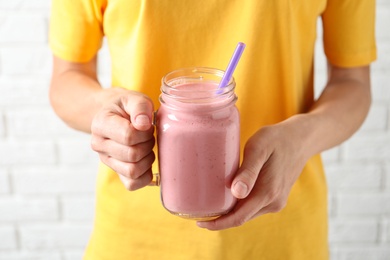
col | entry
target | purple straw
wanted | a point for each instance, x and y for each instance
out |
(232, 65)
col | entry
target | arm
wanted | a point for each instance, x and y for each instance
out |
(119, 120)
(74, 92)
(341, 108)
(275, 155)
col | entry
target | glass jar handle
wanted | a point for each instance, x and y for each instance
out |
(156, 176)
(156, 180)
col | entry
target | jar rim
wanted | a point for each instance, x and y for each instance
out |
(196, 74)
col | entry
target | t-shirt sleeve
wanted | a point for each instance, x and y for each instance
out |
(76, 29)
(349, 32)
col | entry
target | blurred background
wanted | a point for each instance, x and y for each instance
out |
(47, 170)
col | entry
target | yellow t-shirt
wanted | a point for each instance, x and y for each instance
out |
(147, 39)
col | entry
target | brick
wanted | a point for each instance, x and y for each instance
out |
(104, 59)
(18, 61)
(347, 230)
(104, 80)
(24, 91)
(319, 83)
(78, 209)
(8, 238)
(36, 5)
(320, 66)
(29, 255)
(354, 176)
(37, 209)
(104, 65)
(365, 253)
(40, 122)
(2, 126)
(385, 228)
(23, 28)
(54, 180)
(382, 4)
(380, 88)
(320, 58)
(387, 177)
(383, 61)
(376, 119)
(77, 151)
(6, 5)
(72, 254)
(388, 121)
(28, 152)
(363, 204)
(333, 253)
(368, 147)
(331, 155)
(319, 28)
(55, 236)
(382, 23)
(4, 182)
(331, 205)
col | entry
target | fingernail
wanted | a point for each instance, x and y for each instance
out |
(240, 189)
(142, 120)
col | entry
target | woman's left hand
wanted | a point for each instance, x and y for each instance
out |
(273, 160)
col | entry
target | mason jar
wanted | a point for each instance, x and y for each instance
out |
(198, 139)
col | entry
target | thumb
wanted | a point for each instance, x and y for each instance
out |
(248, 173)
(140, 109)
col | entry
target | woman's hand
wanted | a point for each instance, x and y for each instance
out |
(122, 134)
(273, 160)
(275, 155)
(119, 120)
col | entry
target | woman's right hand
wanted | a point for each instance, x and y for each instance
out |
(119, 120)
(122, 134)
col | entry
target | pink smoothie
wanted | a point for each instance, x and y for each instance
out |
(198, 147)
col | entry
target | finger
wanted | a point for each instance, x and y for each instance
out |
(248, 173)
(240, 215)
(119, 129)
(135, 184)
(140, 109)
(263, 199)
(242, 212)
(129, 170)
(124, 153)
(271, 208)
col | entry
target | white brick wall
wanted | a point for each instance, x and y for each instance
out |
(8, 235)
(47, 171)
(358, 172)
